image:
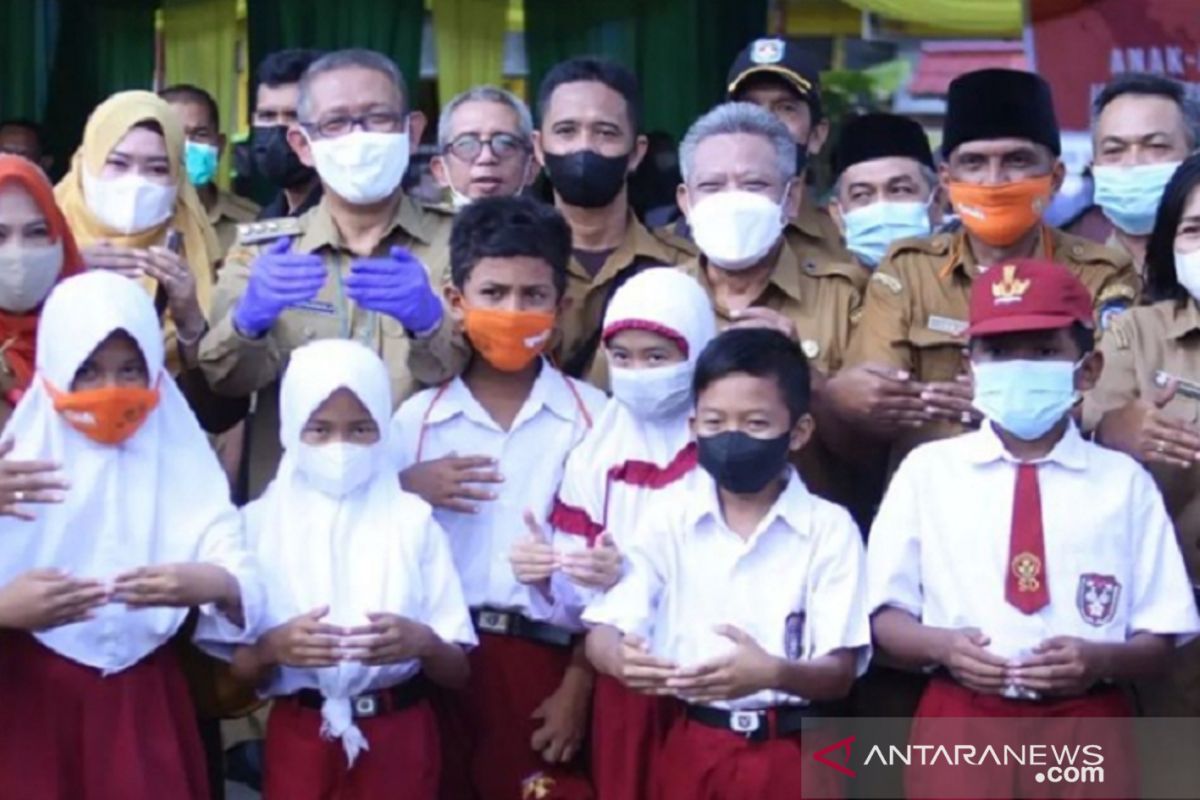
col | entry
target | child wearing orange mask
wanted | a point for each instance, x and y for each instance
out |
(99, 578)
(518, 726)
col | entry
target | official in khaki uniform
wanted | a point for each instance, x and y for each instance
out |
(205, 145)
(737, 194)
(588, 144)
(779, 75)
(355, 266)
(885, 185)
(1001, 144)
(1146, 404)
(1142, 130)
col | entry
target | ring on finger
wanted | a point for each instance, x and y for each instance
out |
(1160, 446)
(19, 495)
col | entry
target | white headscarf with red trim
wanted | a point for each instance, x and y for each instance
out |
(626, 457)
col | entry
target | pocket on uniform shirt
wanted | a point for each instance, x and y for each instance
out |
(937, 356)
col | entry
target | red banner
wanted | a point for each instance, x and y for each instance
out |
(1078, 52)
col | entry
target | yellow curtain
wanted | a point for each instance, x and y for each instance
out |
(470, 43)
(991, 17)
(201, 39)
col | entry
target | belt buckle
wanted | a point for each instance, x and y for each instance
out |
(746, 722)
(366, 706)
(494, 621)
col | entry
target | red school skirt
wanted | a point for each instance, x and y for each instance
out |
(68, 732)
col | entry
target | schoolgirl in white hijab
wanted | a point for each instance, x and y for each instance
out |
(98, 707)
(363, 603)
(640, 445)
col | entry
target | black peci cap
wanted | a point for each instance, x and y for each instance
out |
(1000, 104)
(874, 136)
(783, 58)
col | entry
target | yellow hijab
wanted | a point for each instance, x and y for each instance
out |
(106, 126)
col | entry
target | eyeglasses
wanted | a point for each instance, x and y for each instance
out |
(469, 146)
(342, 124)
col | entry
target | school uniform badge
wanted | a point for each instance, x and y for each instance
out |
(793, 635)
(1097, 598)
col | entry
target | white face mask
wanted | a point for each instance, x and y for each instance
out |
(27, 274)
(128, 204)
(736, 229)
(362, 167)
(1187, 272)
(655, 392)
(338, 468)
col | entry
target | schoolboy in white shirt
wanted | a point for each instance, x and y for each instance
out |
(744, 594)
(1028, 566)
(518, 726)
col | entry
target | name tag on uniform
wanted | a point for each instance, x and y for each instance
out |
(316, 307)
(953, 327)
(1187, 388)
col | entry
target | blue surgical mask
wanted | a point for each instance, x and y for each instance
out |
(1025, 398)
(870, 230)
(201, 162)
(1129, 196)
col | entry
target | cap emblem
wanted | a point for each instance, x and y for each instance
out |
(1009, 289)
(767, 51)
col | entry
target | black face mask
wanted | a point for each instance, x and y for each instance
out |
(741, 464)
(275, 160)
(585, 178)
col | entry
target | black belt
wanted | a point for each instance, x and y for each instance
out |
(1099, 688)
(512, 623)
(373, 704)
(757, 725)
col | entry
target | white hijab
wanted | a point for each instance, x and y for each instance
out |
(663, 300)
(355, 554)
(158, 498)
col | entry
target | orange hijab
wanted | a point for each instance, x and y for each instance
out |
(18, 332)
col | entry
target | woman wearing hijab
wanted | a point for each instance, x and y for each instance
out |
(95, 585)
(364, 607)
(654, 330)
(36, 251)
(125, 194)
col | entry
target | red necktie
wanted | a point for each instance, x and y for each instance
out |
(1025, 586)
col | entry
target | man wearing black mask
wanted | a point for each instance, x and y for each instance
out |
(780, 76)
(588, 144)
(274, 111)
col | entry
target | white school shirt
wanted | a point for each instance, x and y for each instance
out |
(797, 585)
(939, 547)
(530, 456)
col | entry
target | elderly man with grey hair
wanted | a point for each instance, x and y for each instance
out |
(739, 190)
(356, 266)
(485, 146)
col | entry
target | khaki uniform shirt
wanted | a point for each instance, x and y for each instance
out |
(814, 232)
(915, 312)
(579, 325)
(822, 298)
(227, 214)
(1163, 336)
(239, 366)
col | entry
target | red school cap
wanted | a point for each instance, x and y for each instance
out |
(1028, 295)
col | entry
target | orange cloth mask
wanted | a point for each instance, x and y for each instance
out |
(509, 340)
(1001, 214)
(106, 416)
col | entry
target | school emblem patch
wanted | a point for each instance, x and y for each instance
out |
(1097, 598)
(537, 786)
(767, 51)
(793, 635)
(1010, 288)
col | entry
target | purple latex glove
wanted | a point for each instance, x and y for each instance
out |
(278, 278)
(397, 286)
